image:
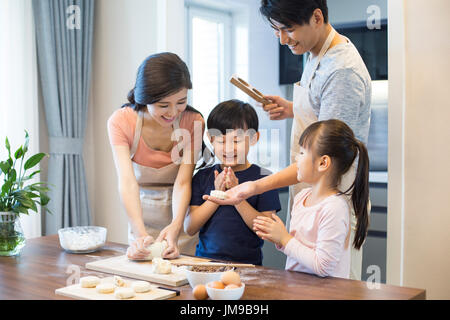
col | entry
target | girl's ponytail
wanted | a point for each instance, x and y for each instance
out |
(360, 195)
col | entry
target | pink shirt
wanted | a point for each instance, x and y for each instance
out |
(121, 128)
(321, 237)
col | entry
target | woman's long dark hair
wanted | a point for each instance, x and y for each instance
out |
(160, 75)
(335, 139)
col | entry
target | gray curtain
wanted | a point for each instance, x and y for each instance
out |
(64, 30)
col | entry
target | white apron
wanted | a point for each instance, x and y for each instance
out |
(155, 189)
(304, 116)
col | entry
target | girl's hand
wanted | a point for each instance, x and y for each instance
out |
(170, 234)
(236, 195)
(138, 248)
(271, 229)
(219, 182)
(230, 178)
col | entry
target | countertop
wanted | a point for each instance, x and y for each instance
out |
(44, 266)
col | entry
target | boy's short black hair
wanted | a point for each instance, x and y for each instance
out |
(232, 115)
(290, 12)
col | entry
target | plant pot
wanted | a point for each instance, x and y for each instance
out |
(12, 239)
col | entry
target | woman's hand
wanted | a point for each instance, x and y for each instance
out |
(280, 108)
(236, 195)
(138, 248)
(170, 234)
(271, 229)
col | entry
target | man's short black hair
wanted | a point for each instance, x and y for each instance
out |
(232, 115)
(290, 12)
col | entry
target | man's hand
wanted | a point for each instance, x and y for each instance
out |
(236, 195)
(280, 108)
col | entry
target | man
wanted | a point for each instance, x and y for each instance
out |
(335, 84)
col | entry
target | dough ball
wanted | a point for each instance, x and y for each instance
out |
(89, 282)
(118, 281)
(124, 293)
(218, 194)
(141, 286)
(156, 249)
(105, 288)
(161, 266)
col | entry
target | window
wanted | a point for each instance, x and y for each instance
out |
(209, 56)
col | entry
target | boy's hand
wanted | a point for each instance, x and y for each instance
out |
(271, 229)
(230, 178)
(219, 182)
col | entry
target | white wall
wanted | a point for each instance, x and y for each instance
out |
(418, 196)
(125, 33)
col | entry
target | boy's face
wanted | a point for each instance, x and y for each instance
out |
(233, 147)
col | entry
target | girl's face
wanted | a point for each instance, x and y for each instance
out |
(166, 111)
(232, 148)
(305, 165)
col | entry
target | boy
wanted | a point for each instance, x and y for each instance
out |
(226, 231)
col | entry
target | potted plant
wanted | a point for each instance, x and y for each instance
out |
(18, 195)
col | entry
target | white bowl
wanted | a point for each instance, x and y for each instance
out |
(82, 239)
(196, 277)
(225, 294)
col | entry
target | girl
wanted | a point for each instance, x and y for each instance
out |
(318, 241)
(151, 166)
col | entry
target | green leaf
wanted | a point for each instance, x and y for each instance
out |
(19, 153)
(34, 160)
(4, 166)
(8, 146)
(13, 176)
(27, 141)
(44, 199)
(6, 188)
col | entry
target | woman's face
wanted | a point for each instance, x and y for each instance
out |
(166, 110)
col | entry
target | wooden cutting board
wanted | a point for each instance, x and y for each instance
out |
(77, 292)
(142, 270)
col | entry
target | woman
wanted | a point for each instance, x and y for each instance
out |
(151, 166)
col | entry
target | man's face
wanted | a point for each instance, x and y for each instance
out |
(300, 39)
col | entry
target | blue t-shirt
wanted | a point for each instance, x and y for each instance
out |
(225, 235)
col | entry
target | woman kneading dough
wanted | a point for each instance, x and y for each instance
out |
(155, 139)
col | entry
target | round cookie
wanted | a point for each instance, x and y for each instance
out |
(141, 286)
(89, 281)
(124, 293)
(105, 288)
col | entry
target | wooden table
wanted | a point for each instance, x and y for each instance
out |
(42, 265)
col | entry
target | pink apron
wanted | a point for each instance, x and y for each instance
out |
(155, 189)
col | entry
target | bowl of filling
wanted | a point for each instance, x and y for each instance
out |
(82, 239)
(204, 274)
